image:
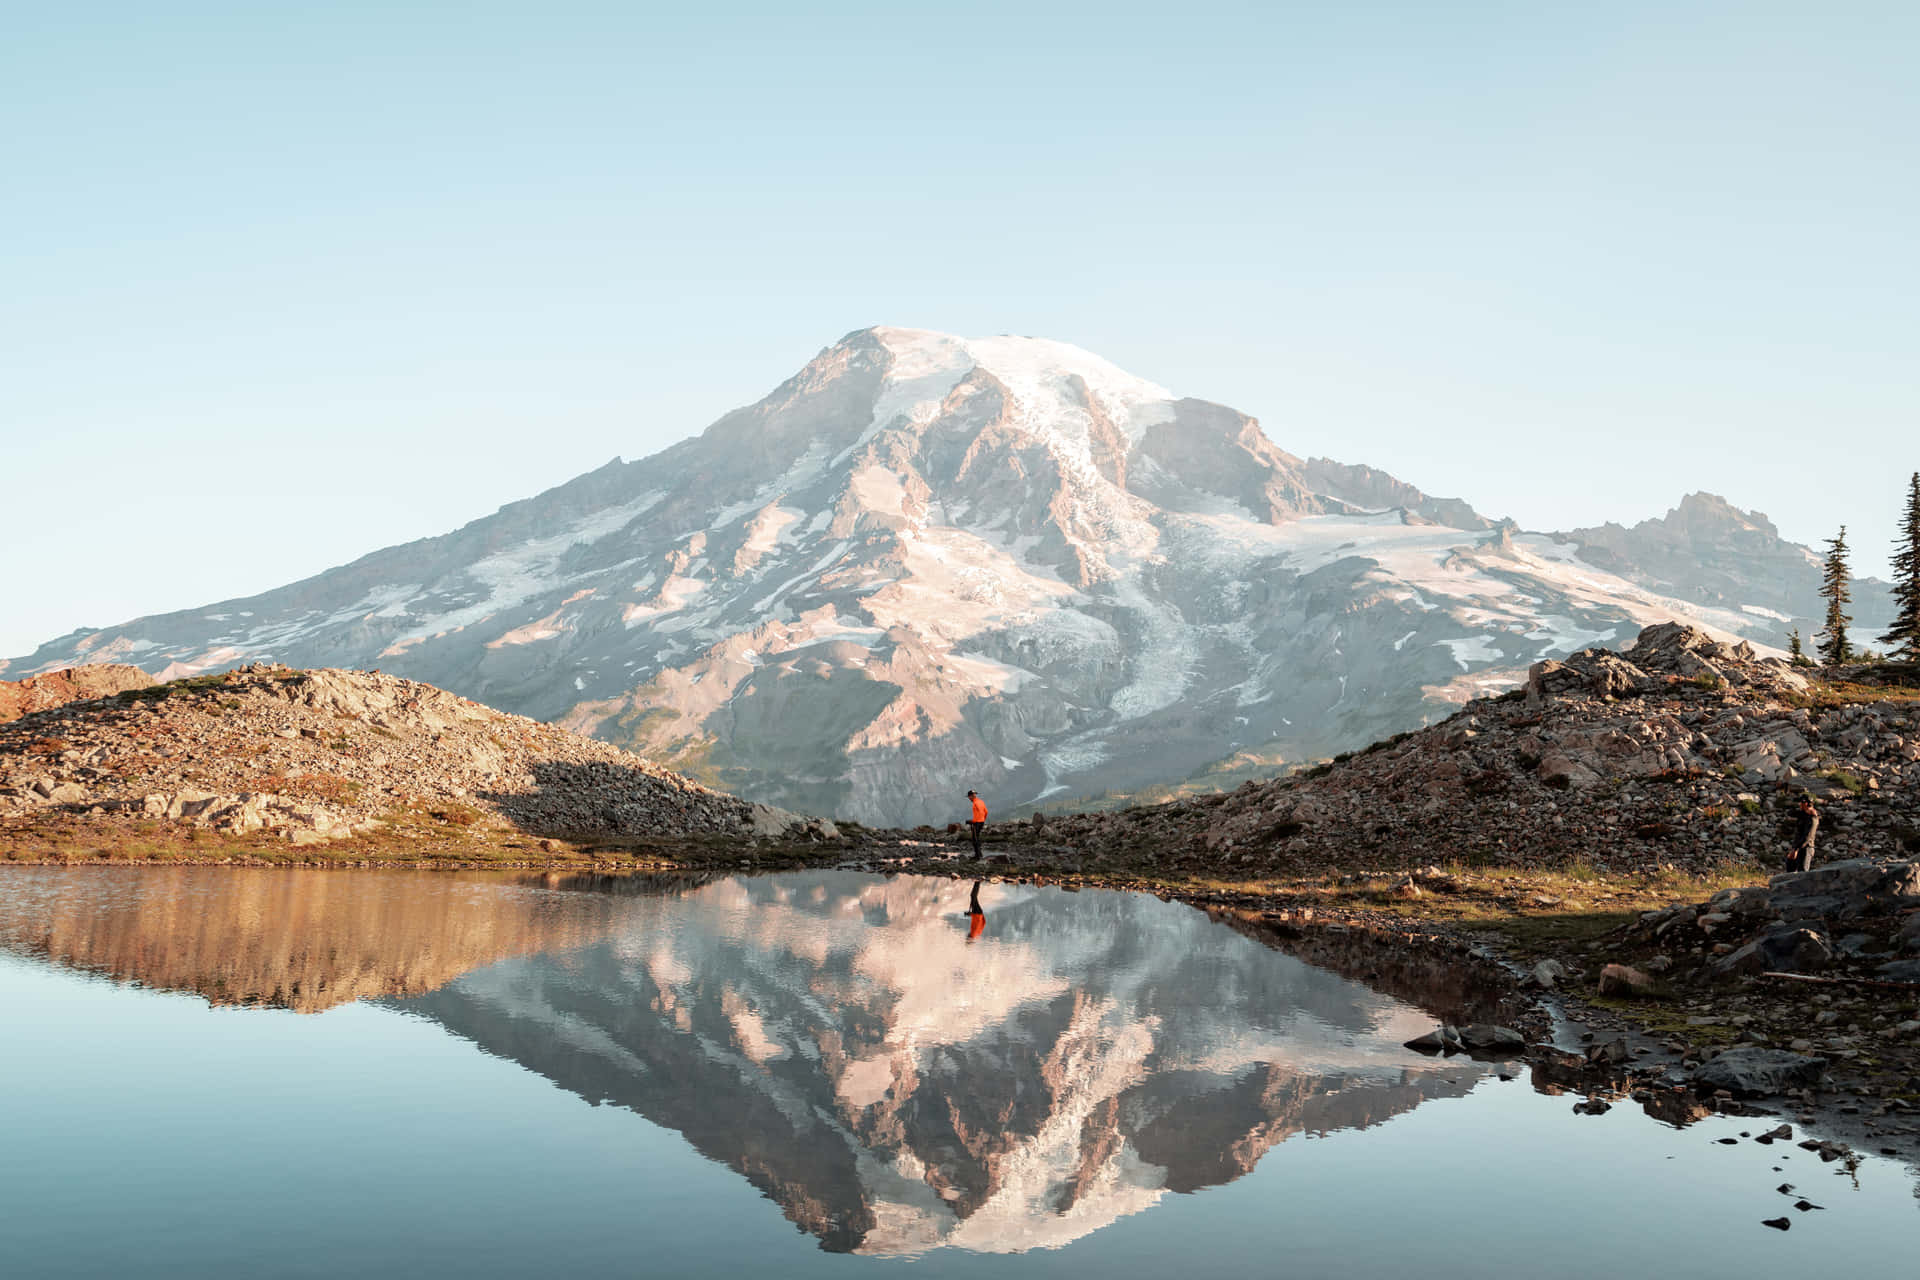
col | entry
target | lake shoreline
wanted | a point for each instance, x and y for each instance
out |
(1507, 921)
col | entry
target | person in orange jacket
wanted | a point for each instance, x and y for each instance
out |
(977, 821)
(976, 916)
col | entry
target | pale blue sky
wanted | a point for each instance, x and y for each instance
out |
(279, 287)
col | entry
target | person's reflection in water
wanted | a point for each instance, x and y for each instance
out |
(976, 918)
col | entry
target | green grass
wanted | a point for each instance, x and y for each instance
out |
(1851, 783)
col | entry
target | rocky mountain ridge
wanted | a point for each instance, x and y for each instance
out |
(315, 756)
(926, 563)
(75, 684)
(1680, 751)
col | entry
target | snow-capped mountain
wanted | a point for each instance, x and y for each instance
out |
(928, 563)
(898, 1085)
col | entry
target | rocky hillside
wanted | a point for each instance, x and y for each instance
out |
(1681, 750)
(926, 563)
(75, 684)
(311, 756)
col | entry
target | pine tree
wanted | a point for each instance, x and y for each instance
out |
(1904, 635)
(1834, 646)
(1795, 652)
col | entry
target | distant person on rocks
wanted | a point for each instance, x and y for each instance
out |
(977, 821)
(1806, 826)
(976, 915)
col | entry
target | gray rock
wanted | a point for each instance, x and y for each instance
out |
(1796, 950)
(1788, 948)
(1557, 769)
(1484, 1037)
(1611, 677)
(1846, 890)
(1612, 1053)
(1752, 1072)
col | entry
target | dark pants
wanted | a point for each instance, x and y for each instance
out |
(976, 836)
(1801, 859)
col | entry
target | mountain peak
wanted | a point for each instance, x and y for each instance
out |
(1710, 510)
(928, 562)
(1040, 374)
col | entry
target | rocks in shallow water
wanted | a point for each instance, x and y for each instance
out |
(1547, 973)
(1484, 1037)
(1613, 1052)
(1754, 1072)
(1481, 1038)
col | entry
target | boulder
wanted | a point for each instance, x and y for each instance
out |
(1547, 973)
(1556, 769)
(1612, 1053)
(1846, 890)
(1755, 1072)
(1485, 1038)
(1795, 949)
(1611, 677)
(766, 820)
(1548, 678)
(1625, 980)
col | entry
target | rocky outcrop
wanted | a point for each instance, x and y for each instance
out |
(1860, 916)
(311, 756)
(1754, 1072)
(1682, 751)
(75, 684)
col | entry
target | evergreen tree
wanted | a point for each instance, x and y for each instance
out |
(1834, 646)
(1794, 651)
(1904, 635)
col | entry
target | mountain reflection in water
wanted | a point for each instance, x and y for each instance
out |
(894, 1069)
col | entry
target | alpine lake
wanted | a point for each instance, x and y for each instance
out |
(217, 1072)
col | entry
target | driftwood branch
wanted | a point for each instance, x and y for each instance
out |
(1880, 984)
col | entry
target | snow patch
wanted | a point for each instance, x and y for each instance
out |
(1473, 649)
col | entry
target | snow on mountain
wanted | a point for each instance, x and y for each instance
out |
(926, 563)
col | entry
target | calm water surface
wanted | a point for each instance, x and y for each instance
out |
(215, 1072)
